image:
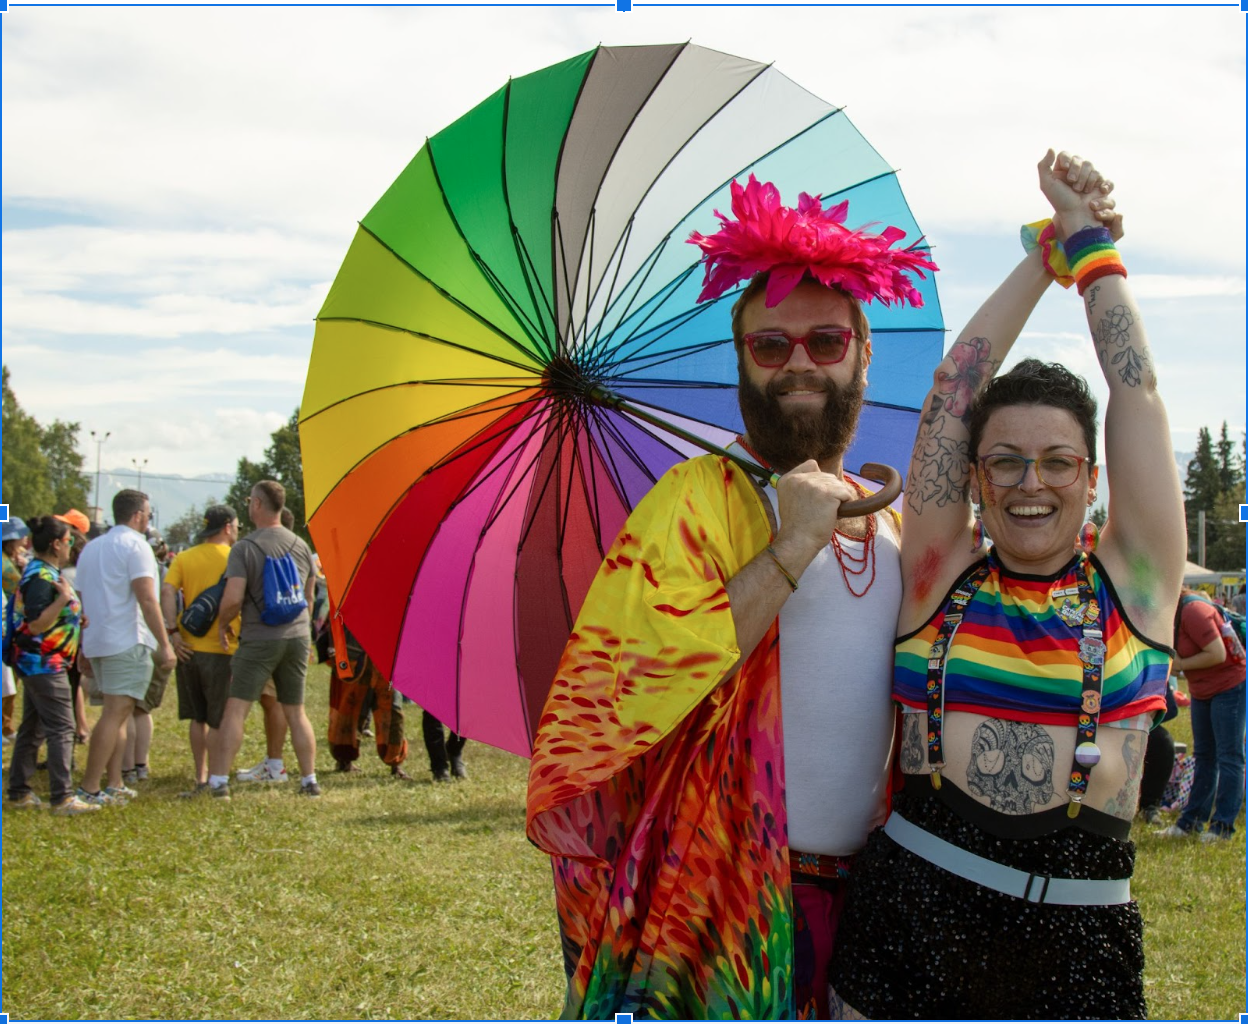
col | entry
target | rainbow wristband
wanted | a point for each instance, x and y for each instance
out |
(1041, 235)
(1092, 255)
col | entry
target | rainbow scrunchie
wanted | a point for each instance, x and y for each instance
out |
(1042, 236)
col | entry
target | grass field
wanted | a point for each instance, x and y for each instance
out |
(395, 900)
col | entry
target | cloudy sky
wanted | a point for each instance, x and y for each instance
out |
(180, 185)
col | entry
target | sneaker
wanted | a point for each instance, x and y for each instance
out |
(221, 792)
(129, 777)
(309, 789)
(1173, 832)
(122, 793)
(201, 789)
(100, 799)
(1151, 815)
(140, 773)
(442, 776)
(261, 773)
(26, 802)
(74, 805)
(458, 769)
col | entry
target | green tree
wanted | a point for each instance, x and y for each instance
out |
(283, 462)
(1201, 490)
(26, 488)
(1225, 535)
(1230, 468)
(70, 485)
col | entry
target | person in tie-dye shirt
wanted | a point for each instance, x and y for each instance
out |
(48, 618)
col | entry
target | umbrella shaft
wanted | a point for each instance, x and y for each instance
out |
(605, 397)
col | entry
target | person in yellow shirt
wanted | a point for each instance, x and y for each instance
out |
(203, 677)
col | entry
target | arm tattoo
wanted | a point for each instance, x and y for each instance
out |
(1114, 348)
(913, 760)
(1092, 294)
(1011, 766)
(1122, 804)
(973, 367)
(942, 467)
(941, 464)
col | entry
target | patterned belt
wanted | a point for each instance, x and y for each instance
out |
(821, 865)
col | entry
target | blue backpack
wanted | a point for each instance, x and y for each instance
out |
(284, 596)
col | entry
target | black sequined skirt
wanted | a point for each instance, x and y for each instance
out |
(918, 942)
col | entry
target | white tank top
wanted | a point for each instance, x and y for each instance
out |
(836, 670)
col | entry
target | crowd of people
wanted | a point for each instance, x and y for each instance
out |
(106, 616)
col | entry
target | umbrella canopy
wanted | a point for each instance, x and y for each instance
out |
(464, 468)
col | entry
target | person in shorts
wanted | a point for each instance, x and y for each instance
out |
(264, 651)
(124, 634)
(203, 679)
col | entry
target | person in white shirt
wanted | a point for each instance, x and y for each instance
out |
(123, 635)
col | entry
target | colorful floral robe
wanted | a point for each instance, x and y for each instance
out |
(658, 792)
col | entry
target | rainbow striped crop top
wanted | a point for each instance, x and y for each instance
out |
(1015, 654)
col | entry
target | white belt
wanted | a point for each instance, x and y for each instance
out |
(1023, 885)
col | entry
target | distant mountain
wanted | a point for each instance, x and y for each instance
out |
(172, 495)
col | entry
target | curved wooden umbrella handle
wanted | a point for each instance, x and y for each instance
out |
(886, 495)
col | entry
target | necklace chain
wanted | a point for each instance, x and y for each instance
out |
(857, 566)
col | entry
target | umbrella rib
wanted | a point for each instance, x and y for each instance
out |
(654, 178)
(629, 450)
(592, 338)
(439, 289)
(664, 329)
(535, 331)
(651, 260)
(517, 241)
(477, 442)
(667, 238)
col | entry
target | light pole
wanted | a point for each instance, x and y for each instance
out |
(139, 466)
(99, 443)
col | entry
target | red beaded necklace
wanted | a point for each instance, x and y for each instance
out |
(857, 566)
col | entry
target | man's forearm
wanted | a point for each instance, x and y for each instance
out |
(152, 616)
(168, 605)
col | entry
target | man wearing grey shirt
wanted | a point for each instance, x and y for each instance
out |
(264, 651)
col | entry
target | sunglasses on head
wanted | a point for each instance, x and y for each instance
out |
(824, 345)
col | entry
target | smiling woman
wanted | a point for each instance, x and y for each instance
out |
(1010, 658)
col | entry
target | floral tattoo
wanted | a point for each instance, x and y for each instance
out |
(1114, 333)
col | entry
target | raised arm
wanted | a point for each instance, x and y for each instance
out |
(1144, 542)
(937, 520)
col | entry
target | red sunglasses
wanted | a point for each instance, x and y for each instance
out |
(824, 345)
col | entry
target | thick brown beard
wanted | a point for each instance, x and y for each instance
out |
(786, 440)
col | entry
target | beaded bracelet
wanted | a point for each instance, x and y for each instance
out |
(788, 576)
(1092, 255)
(1042, 235)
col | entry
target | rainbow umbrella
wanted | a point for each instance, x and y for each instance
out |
(512, 353)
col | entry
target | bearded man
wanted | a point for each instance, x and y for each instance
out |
(716, 743)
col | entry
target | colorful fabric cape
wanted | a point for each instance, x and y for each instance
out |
(659, 792)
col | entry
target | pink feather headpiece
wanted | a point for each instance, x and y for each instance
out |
(789, 243)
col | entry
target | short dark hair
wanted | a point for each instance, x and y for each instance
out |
(758, 284)
(272, 494)
(126, 503)
(46, 531)
(1035, 382)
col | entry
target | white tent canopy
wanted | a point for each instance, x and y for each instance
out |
(1194, 574)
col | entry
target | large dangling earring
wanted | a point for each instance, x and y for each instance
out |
(1086, 541)
(978, 536)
